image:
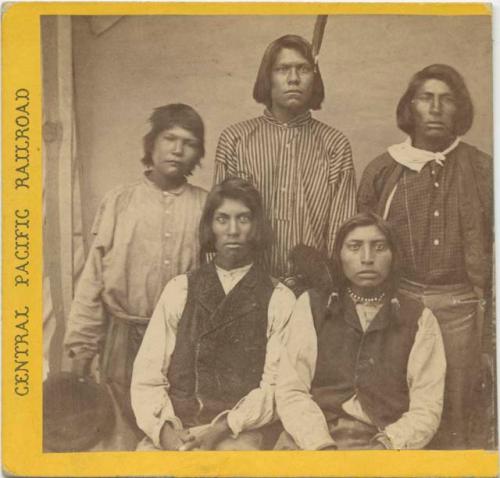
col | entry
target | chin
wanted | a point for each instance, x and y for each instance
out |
(438, 133)
(369, 285)
(173, 175)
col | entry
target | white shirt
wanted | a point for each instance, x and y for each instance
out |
(303, 418)
(150, 400)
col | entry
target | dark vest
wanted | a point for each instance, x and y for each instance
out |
(371, 364)
(220, 346)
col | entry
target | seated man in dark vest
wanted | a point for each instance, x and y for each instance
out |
(204, 377)
(363, 368)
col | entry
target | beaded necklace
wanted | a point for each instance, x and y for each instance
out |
(358, 299)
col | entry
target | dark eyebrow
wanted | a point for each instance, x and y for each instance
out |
(293, 63)
(380, 241)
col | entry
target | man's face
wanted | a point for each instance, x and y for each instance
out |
(292, 79)
(434, 109)
(175, 152)
(366, 259)
(233, 228)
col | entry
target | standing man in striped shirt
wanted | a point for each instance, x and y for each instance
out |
(303, 168)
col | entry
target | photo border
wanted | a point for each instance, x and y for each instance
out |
(22, 300)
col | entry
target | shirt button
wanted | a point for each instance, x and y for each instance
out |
(166, 262)
(436, 185)
(433, 172)
(436, 242)
(436, 213)
(167, 212)
(167, 234)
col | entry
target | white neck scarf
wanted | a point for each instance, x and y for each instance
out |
(414, 158)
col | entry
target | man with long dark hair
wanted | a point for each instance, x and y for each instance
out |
(145, 233)
(364, 366)
(436, 192)
(205, 374)
(302, 167)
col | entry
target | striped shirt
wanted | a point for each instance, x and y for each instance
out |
(304, 172)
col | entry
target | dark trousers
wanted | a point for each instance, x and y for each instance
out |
(123, 340)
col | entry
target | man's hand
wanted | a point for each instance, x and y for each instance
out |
(172, 439)
(210, 437)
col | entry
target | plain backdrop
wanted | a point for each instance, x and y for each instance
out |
(211, 62)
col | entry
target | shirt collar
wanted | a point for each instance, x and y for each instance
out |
(415, 158)
(233, 272)
(299, 120)
(171, 192)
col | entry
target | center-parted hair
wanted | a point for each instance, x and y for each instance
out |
(262, 87)
(239, 190)
(445, 73)
(171, 116)
(362, 220)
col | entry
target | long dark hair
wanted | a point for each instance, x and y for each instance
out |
(448, 75)
(362, 220)
(262, 86)
(240, 190)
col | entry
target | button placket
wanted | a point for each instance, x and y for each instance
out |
(437, 201)
(284, 176)
(167, 203)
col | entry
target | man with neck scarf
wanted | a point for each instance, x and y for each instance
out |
(436, 191)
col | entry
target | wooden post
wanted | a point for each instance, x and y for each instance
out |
(57, 157)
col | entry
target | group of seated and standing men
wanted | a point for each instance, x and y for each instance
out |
(228, 352)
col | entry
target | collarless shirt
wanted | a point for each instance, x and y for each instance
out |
(143, 236)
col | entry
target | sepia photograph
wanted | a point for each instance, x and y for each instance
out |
(267, 232)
